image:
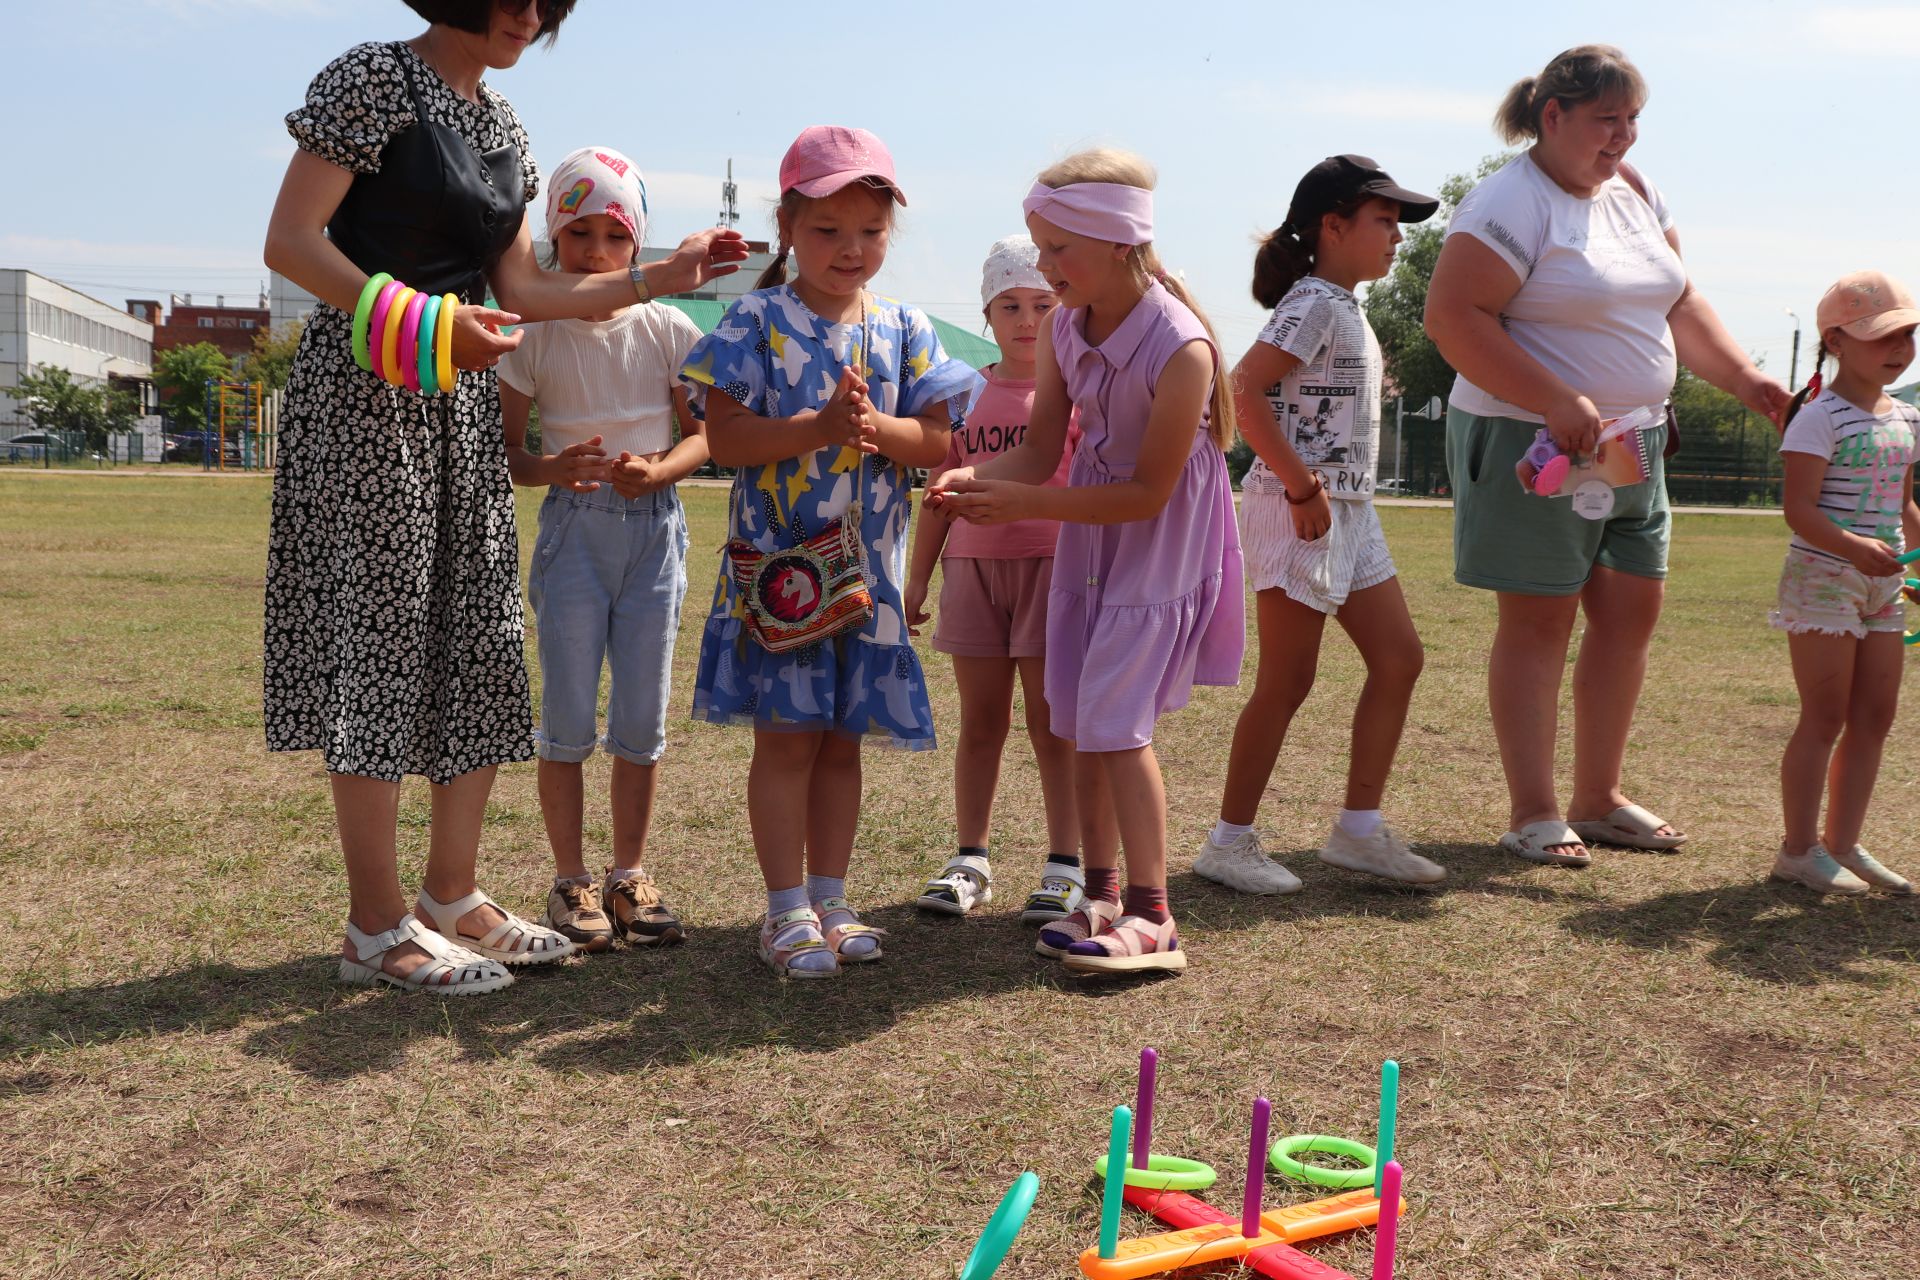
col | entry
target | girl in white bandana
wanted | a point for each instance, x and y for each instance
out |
(609, 569)
(993, 610)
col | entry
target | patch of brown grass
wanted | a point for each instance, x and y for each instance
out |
(1659, 1067)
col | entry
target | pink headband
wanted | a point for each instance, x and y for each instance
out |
(1104, 210)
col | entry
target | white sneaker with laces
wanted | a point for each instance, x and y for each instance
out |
(1381, 854)
(1876, 876)
(964, 883)
(1817, 870)
(1241, 865)
(1061, 889)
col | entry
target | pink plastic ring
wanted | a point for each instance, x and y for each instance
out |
(377, 323)
(409, 357)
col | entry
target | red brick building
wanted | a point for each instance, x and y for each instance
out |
(229, 328)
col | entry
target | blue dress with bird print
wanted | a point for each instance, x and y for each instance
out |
(774, 356)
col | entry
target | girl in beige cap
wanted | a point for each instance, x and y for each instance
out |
(1848, 451)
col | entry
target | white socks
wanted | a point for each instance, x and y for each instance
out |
(1225, 833)
(1360, 823)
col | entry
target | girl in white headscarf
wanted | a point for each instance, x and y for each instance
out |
(993, 610)
(609, 569)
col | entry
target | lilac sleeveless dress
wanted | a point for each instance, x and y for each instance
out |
(1141, 612)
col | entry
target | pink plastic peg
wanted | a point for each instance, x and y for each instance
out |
(1387, 1233)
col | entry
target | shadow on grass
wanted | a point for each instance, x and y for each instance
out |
(710, 997)
(1767, 931)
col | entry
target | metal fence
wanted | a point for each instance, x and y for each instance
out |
(1726, 465)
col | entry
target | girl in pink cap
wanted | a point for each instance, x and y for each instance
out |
(1849, 451)
(1147, 597)
(821, 395)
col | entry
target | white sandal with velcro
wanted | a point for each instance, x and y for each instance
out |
(513, 941)
(449, 969)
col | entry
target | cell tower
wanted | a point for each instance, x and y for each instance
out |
(729, 200)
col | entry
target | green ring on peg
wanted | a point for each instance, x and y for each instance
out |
(1164, 1173)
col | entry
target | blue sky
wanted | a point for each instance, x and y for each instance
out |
(146, 141)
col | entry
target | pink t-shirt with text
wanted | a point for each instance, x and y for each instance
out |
(996, 423)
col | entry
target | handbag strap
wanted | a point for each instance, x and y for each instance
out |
(1638, 183)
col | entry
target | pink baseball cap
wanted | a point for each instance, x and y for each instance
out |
(826, 157)
(1866, 305)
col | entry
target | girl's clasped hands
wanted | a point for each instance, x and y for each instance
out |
(584, 467)
(847, 416)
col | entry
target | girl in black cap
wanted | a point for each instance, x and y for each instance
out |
(1308, 396)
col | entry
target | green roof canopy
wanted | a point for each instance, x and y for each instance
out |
(969, 348)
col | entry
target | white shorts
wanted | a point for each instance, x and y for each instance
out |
(1350, 556)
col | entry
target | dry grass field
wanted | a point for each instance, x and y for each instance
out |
(1658, 1067)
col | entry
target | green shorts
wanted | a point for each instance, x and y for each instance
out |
(1506, 539)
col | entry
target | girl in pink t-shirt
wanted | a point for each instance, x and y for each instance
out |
(993, 611)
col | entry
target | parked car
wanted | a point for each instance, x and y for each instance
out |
(32, 444)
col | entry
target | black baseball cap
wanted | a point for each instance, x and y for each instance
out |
(1339, 180)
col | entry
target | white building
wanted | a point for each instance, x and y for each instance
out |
(46, 325)
(288, 302)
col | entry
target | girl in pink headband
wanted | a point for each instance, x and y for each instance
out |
(1147, 596)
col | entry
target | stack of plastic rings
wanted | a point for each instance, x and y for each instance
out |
(405, 336)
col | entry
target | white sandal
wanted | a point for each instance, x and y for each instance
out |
(512, 941)
(449, 969)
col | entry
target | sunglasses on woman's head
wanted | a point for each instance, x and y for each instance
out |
(517, 7)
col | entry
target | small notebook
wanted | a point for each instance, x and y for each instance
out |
(1622, 456)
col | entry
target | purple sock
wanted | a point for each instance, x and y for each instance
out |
(1103, 883)
(1149, 902)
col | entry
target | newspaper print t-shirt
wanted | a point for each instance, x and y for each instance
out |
(1328, 408)
(1867, 459)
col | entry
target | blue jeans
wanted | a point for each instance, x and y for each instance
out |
(608, 577)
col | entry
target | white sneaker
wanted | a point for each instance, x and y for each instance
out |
(963, 884)
(1381, 854)
(1874, 875)
(1241, 865)
(1061, 889)
(1817, 870)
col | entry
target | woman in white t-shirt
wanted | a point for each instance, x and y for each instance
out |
(609, 568)
(1561, 300)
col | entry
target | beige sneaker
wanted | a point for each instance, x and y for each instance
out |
(573, 909)
(1817, 870)
(1876, 876)
(1381, 854)
(1241, 864)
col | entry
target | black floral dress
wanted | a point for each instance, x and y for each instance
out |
(394, 632)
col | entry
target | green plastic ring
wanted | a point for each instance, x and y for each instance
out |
(1281, 1158)
(990, 1250)
(1163, 1173)
(423, 346)
(1912, 584)
(362, 312)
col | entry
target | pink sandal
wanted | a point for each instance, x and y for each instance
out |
(1092, 917)
(847, 928)
(790, 935)
(1133, 945)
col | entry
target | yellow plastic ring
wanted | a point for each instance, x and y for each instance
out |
(449, 377)
(390, 338)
